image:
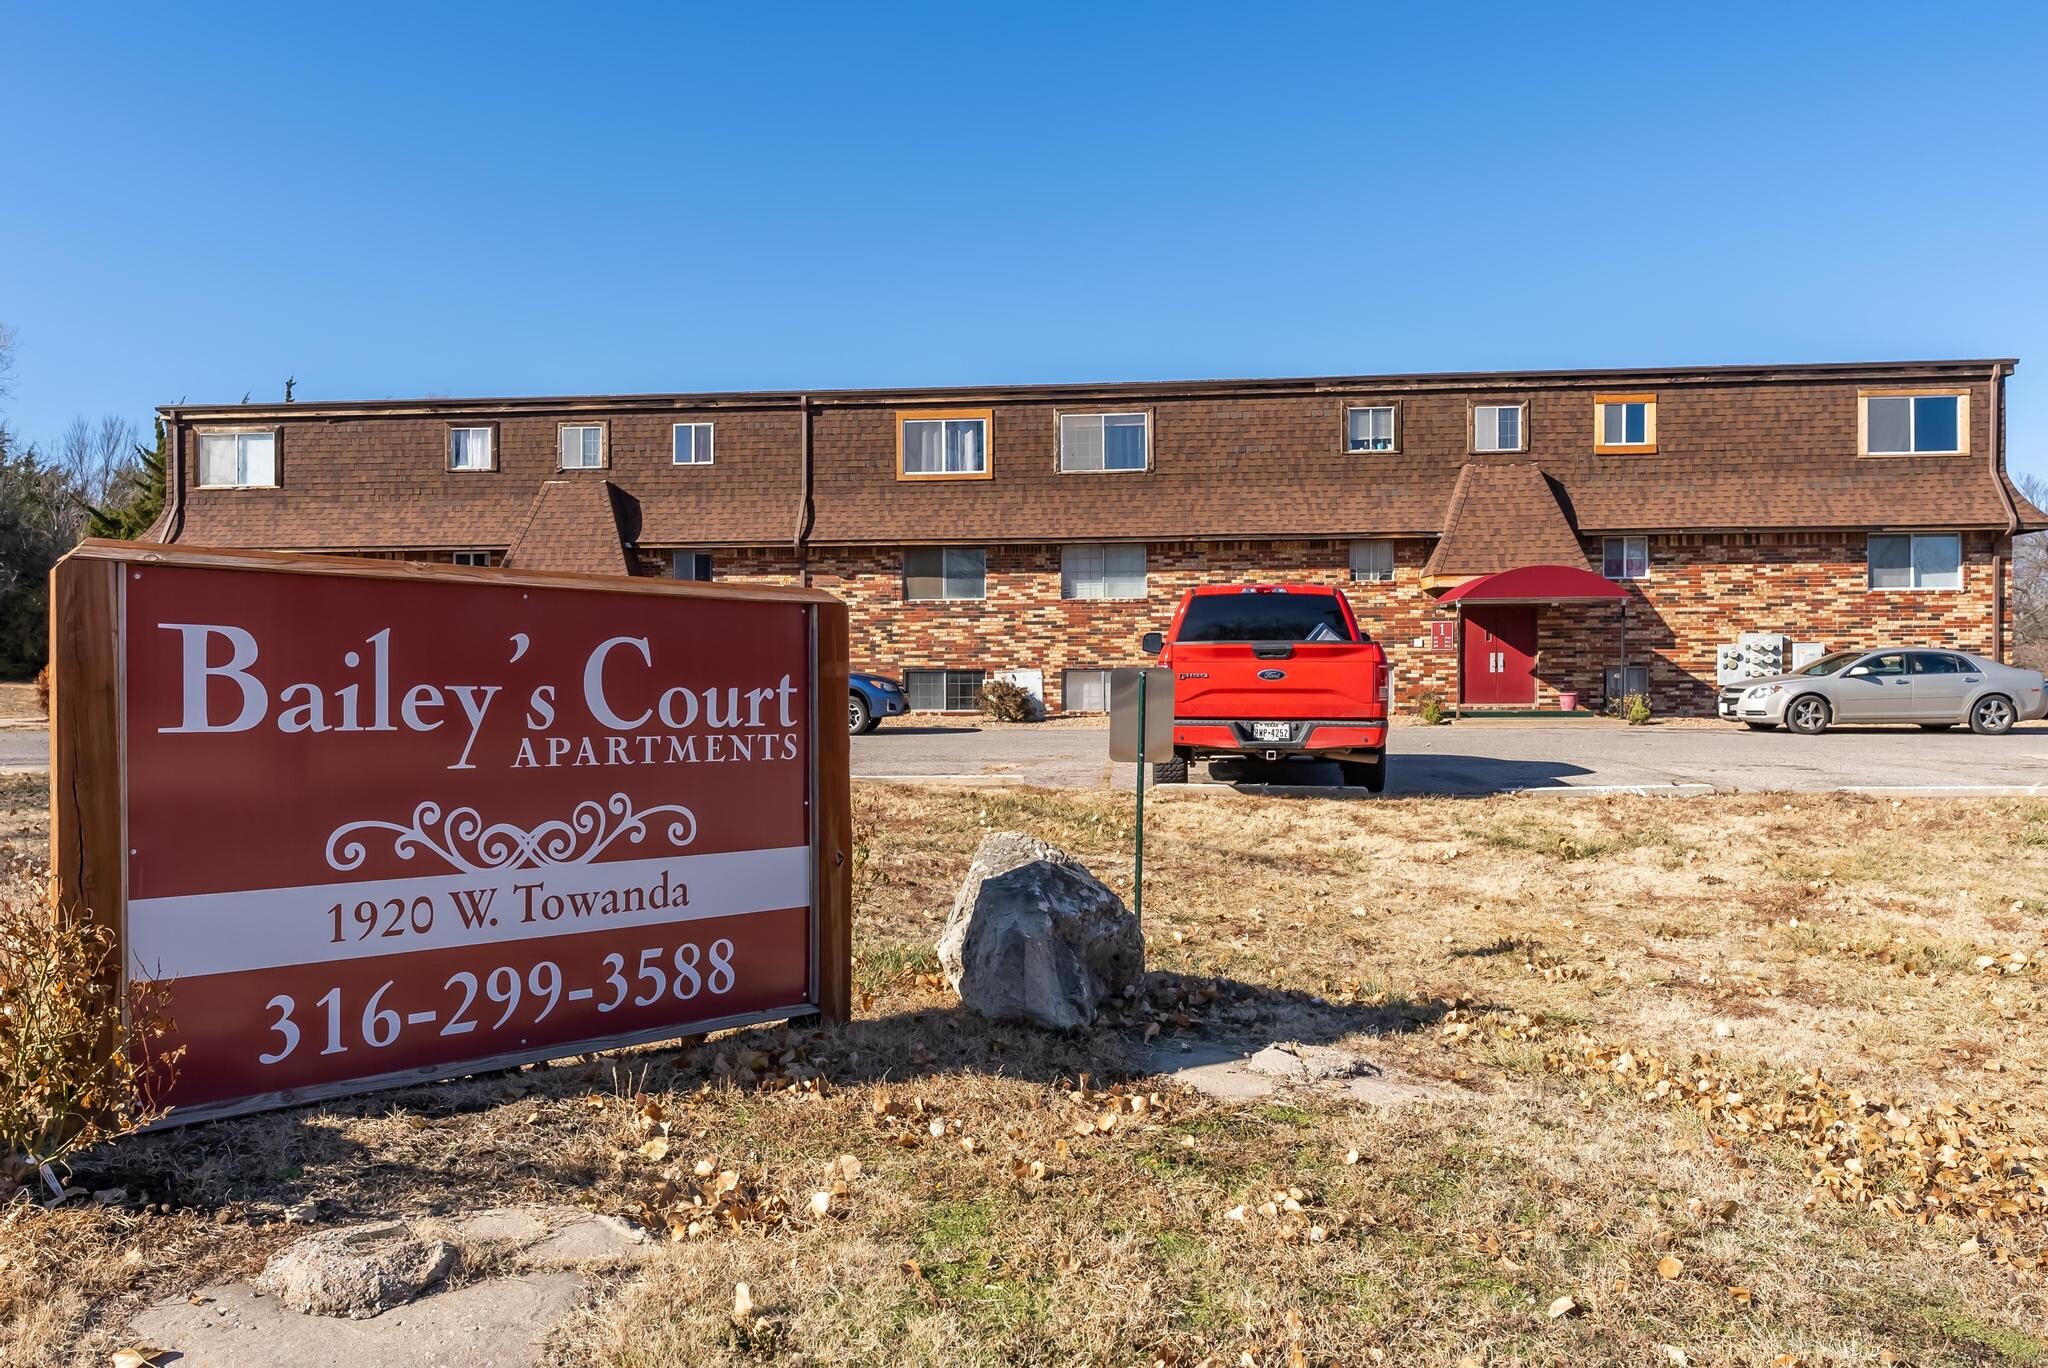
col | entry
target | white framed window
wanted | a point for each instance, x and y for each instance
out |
(1497, 427)
(943, 690)
(1915, 424)
(1625, 558)
(1369, 427)
(472, 558)
(945, 572)
(1372, 562)
(1105, 441)
(582, 446)
(238, 460)
(690, 565)
(943, 444)
(472, 448)
(1625, 422)
(1916, 560)
(1102, 572)
(693, 444)
(1084, 691)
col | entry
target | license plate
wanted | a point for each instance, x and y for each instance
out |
(1271, 731)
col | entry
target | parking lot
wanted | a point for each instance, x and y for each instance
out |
(1495, 756)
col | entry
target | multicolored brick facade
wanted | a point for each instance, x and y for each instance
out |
(1756, 499)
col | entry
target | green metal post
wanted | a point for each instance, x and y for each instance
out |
(1138, 860)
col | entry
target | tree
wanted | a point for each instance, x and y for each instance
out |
(130, 510)
(41, 518)
(2030, 584)
(100, 458)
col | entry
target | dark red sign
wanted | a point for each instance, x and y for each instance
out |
(389, 826)
(1443, 634)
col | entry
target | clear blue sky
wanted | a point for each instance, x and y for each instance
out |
(492, 199)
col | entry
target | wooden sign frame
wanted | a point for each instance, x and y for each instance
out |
(90, 840)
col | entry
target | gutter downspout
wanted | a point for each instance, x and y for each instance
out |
(174, 475)
(801, 543)
(2012, 512)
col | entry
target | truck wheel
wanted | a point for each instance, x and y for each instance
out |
(1370, 775)
(1174, 771)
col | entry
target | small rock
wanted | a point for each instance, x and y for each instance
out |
(356, 1272)
(305, 1213)
(1033, 936)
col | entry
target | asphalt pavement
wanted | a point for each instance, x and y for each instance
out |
(1469, 757)
(1495, 756)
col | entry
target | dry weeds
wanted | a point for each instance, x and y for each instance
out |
(1853, 979)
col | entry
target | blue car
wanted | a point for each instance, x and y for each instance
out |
(870, 699)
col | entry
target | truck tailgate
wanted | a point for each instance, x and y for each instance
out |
(1311, 679)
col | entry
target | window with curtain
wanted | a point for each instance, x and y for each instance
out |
(1104, 441)
(1372, 562)
(1102, 572)
(1903, 424)
(944, 446)
(1497, 427)
(238, 459)
(693, 444)
(469, 448)
(945, 572)
(1625, 558)
(582, 446)
(1916, 561)
(1369, 428)
(1085, 691)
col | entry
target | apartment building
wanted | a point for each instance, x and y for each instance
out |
(1038, 531)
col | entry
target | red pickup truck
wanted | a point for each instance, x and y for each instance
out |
(1274, 672)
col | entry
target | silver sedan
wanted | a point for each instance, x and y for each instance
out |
(1933, 689)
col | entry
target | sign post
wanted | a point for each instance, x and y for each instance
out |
(1140, 731)
(367, 823)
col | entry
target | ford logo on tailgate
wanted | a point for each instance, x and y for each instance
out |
(1272, 674)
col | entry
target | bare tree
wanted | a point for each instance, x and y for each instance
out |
(6, 361)
(2030, 584)
(99, 458)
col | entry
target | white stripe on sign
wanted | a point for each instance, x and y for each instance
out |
(225, 933)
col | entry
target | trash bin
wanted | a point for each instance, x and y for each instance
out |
(1567, 701)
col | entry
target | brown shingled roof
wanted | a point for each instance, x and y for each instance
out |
(1502, 516)
(575, 525)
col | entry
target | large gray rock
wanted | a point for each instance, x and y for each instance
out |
(356, 1272)
(1033, 936)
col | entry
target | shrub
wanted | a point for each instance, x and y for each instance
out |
(43, 690)
(1431, 710)
(1635, 709)
(1007, 702)
(74, 1072)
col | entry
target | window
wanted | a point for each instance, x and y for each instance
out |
(1939, 663)
(1625, 558)
(945, 572)
(582, 446)
(1497, 427)
(690, 565)
(943, 444)
(472, 558)
(242, 460)
(1905, 424)
(943, 690)
(470, 448)
(1104, 441)
(1257, 616)
(1102, 572)
(1369, 428)
(1624, 422)
(1890, 664)
(1085, 691)
(1372, 562)
(693, 443)
(1916, 561)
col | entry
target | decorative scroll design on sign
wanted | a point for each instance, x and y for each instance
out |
(472, 846)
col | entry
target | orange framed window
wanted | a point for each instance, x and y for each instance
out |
(1625, 422)
(944, 444)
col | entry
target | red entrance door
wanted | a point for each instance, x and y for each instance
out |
(1500, 653)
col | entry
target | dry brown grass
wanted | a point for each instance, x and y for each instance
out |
(1836, 934)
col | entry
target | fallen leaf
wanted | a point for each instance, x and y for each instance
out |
(821, 1203)
(1670, 1266)
(1676, 1355)
(1562, 1307)
(742, 1303)
(137, 1356)
(656, 1149)
(1742, 1295)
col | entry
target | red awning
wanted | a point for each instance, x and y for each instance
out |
(1535, 584)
